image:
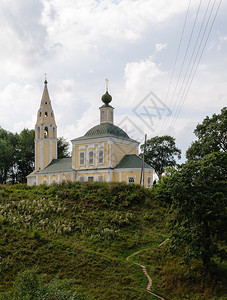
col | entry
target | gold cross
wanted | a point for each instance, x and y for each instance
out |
(107, 81)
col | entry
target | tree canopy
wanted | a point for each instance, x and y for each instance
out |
(160, 153)
(17, 154)
(198, 190)
(212, 136)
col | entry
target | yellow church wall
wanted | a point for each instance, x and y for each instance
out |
(126, 175)
(83, 176)
(54, 178)
(116, 177)
(46, 153)
(119, 150)
(38, 163)
(86, 148)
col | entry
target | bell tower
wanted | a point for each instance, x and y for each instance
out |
(45, 133)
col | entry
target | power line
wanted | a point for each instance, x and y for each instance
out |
(185, 96)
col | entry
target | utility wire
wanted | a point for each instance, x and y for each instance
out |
(177, 55)
(185, 55)
(185, 96)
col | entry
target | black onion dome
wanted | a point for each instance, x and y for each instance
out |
(106, 98)
(105, 130)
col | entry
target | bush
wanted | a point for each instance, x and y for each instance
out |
(29, 285)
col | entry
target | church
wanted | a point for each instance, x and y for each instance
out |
(105, 153)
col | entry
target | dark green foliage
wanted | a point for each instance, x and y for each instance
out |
(160, 153)
(212, 136)
(63, 148)
(29, 285)
(199, 198)
(25, 154)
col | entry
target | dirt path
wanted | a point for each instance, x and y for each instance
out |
(144, 269)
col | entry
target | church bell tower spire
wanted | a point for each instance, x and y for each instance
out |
(106, 110)
(45, 132)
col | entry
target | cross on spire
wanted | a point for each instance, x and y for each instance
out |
(107, 81)
(45, 78)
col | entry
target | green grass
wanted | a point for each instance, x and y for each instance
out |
(83, 232)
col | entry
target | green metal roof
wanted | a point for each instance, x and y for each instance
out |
(58, 165)
(105, 130)
(131, 161)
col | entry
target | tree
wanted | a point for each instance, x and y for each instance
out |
(25, 154)
(63, 148)
(212, 136)
(8, 143)
(198, 190)
(160, 152)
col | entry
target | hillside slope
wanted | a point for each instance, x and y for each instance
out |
(82, 232)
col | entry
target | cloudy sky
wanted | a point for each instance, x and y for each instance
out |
(166, 62)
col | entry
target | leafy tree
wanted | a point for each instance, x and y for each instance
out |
(198, 190)
(212, 136)
(8, 143)
(160, 153)
(25, 154)
(63, 148)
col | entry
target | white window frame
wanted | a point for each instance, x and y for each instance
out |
(81, 179)
(134, 179)
(80, 159)
(102, 115)
(100, 178)
(99, 156)
(91, 158)
(149, 185)
(90, 179)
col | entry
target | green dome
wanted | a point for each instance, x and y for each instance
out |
(106, 98)
(106, 130)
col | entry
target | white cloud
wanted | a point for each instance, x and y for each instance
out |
(160, 47)
(80, 43)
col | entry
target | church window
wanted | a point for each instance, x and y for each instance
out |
(149, 182)
(81, 178)
(101, 178)
(46, 134)
(40, 114)
(91, 157)
(111, 116)
(46, 114)
(38, 133)
(131, 180)
(52, 115)
(102, 115)
(81, 158)
(101, 156)
(54, 133)
(90, 178)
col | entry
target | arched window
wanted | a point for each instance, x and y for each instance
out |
(131, 180)
(102, 115)
(38, 133)
(40, 114)
(46, 114)
(46, 133)
(54, 133)
(111, 116)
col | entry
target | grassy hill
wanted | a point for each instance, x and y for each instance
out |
(84, 232)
